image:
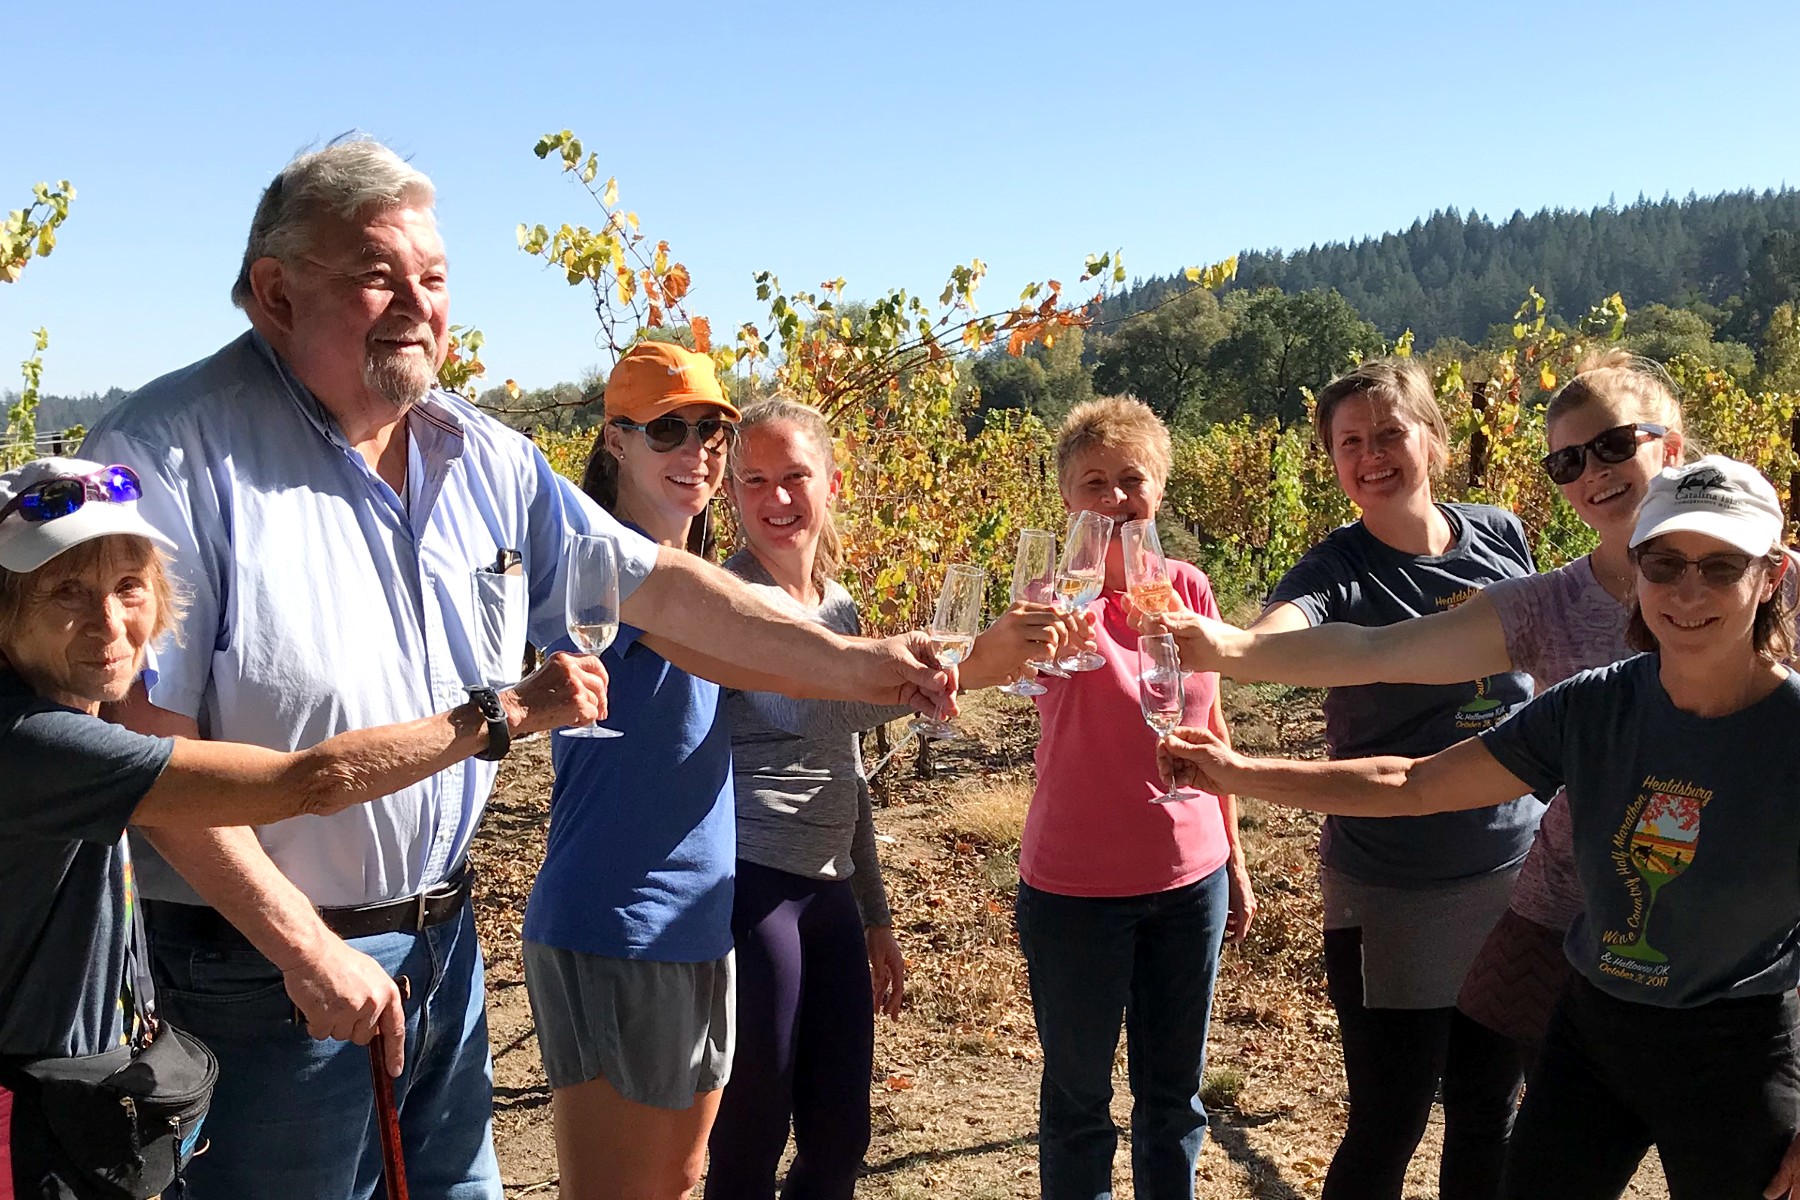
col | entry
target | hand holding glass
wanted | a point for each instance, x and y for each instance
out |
(953, 628)
(1161, 696)
(1081, 576)
(591, 604)
(1034, 582)
(1146, 567)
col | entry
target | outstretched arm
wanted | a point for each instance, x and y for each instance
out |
(1464, 776)
(230, 783)
(1463, 643)
(705, 620)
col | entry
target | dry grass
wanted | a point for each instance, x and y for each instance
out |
(990, 812)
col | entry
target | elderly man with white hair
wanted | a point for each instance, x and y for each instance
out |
(363, 548)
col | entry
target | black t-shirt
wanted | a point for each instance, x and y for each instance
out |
(1354, 576)
(68, 784)
(1686, 833)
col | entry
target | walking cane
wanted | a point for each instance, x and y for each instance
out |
(387, 1115)
(393, 1160)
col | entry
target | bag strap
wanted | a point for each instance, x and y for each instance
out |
(137, 958)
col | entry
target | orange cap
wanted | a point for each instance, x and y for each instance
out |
(653, 378)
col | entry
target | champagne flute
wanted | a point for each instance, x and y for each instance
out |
(1161, 696)
(953, 628)
(591, 604)
(1081, 576)
(1146, 568)
(1034, 582)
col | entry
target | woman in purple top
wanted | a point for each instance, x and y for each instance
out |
(1610, 430)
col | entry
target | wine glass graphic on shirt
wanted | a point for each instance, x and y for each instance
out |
(1662, 847)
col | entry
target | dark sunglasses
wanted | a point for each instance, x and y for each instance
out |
(667, 434)
(1718, 570)
(1610, 446)
(58, 497)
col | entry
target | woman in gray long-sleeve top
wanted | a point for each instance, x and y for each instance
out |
(816, 953)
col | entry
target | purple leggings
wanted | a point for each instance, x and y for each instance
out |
(805, 1041)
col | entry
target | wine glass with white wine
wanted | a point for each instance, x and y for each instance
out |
(1082, 575)
(591, 604)
(1161, 695)
(1146, 567)
(953, 627)
(1034, 582)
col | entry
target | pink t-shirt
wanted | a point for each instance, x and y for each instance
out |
(1092, 829)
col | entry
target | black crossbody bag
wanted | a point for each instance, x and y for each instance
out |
(121, 1124)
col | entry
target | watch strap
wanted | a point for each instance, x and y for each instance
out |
(487, 703)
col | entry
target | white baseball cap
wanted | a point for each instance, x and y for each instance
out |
(1717, 496)
(110, 507)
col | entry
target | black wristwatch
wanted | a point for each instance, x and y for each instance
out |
(487, 703)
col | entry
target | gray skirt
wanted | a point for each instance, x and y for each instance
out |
(1417, 943)
(658, 1032)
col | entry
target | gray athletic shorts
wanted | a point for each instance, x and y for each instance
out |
(658, 1032)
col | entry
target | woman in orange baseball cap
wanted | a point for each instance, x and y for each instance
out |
(628, 931)
(662, 450)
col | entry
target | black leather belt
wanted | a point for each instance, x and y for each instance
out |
(433, 906)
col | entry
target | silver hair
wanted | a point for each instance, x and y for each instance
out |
(342, 181)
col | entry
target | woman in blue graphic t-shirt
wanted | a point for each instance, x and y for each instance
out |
(1681, 1025)
(1408, 900)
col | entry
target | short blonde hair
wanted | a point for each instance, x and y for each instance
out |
(1115, 423)
(1640, 386)
(20, 591)
(1399, 383)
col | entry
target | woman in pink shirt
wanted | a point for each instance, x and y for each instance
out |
(1123, 903)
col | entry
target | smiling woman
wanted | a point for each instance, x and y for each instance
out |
(1678, 1025)
(84, 592)
(1604, 421)
(1407, 903)
(628, 930)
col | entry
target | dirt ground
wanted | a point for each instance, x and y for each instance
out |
(955, 1082)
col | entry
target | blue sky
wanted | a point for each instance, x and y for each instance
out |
(881, 143)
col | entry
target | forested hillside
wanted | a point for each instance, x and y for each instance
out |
(1451, 275)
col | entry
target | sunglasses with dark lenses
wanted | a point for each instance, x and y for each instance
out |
(58, 497)
(1610, 446)
(667, 434)
(1718, 570)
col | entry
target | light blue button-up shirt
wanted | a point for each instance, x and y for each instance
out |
(322, 601)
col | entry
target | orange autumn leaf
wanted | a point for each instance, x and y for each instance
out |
(675, 283)
(702, 334)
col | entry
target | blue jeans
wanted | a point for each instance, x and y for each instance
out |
(1152, 960)
(294, 1117)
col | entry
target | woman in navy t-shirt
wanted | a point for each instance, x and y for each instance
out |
(1408, 900)
(1680, 1027)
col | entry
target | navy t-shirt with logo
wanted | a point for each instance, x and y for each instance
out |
(1354, 576)
(68, 784)
(1686, 833)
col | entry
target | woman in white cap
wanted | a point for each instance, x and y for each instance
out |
(1680, 1026)
(83, 594)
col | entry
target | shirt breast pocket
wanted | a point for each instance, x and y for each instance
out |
(498, 635)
